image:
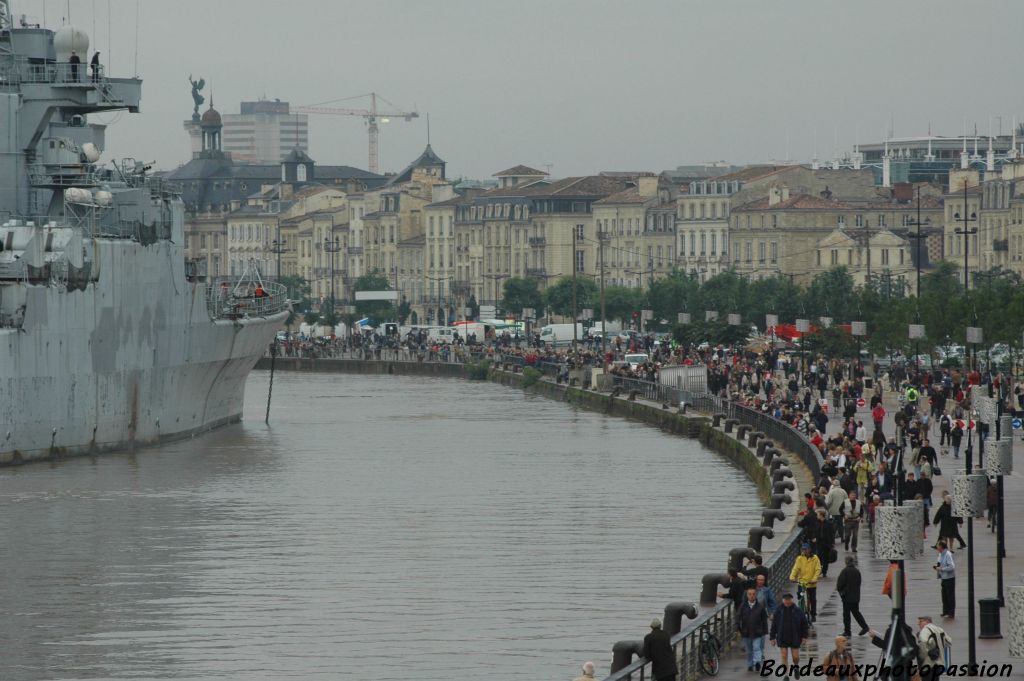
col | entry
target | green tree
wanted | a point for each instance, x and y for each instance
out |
(832, 294)
(377, 310)
(404, 309)
(520, 292)
(674, 293)
(558, 297)
(620, 302)
(473, 306)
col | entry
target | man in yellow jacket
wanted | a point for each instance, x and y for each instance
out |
(806, 572)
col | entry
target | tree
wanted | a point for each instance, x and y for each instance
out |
(558, 298)
(674, 293)
(403, 311)
(376, 310)
(832, 294)
(620, 302)
(520, 292)
(473, 306)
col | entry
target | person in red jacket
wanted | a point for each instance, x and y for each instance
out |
(878, 415)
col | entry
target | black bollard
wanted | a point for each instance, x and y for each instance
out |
(778, 462)
(682, 407)
(770, 515)
(783, 486)
(781, 473)
(736, 557)
(756, 535)
(623, 652)
(633, 394)
(779, 499)
(741, 432)
(754, 437)
(716, 420)
(730, 423)
(769, 454)
(709, 587)
(674, 612)
(763, 445)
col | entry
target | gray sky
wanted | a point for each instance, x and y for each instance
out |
(584, 86)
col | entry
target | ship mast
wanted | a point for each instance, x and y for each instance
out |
(6, 21)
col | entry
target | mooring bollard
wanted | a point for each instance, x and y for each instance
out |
(770, 515)
(781, 473)
(756, 535)
(623, 652)
(777, 463)
(741, 432)
(717, 419)
(770, 454)
(709, 587)
(763, 445)
(730, 423)
(633, 394)
(783, 486)
(779, 499)
(674, 612)
(754, 437)
(736, 557)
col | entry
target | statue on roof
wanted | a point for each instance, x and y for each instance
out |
(197, 98)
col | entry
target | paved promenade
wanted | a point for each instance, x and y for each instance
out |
(922, 587)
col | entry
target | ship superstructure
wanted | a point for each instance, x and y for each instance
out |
(107, 337)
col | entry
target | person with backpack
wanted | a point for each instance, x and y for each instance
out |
(933, 645)
(838, 664)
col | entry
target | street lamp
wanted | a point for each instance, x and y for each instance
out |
(278, 246)
(967, 232)
(332, 247)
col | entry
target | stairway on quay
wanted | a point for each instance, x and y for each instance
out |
(922, 585)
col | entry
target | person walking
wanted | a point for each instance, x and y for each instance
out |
(806, 572)
(945, 568)
(94, 66)
(956, 437)
(588, 672)
(848, 588)
(851, 512)
(788, 631)
(834, 501)
(752, 624)
(933, 645)
(948, 530)
(838, 664)
(658, 649)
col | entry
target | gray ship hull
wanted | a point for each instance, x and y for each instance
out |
(133, 359)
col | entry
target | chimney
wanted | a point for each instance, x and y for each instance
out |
(441, 192)
(785, 193)
(774, 196)
(647, 186)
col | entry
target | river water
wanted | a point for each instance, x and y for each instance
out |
(381, 528)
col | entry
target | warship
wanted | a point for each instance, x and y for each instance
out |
(109, 338)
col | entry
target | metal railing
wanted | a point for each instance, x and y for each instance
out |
(21, 70)
(224, 300)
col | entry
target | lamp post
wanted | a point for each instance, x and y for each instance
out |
(332, 247)
(278, 246)
(917, 238)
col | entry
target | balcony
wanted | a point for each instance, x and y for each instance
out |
(460, 287)
(539, 272)
(537, 241)
(462, 249)
(355, 250)
(1001, 244)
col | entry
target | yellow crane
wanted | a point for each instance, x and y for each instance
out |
(372, 116)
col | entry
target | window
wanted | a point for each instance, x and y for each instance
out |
(775, 220)
(859, 220)
(819, 258)
(702, 208)
(693, 244)
(760, 251)
(901, 256)
(703, 243)
(748, 251)
(885, 256)
(202, 241)
(774, 252)
(834, 256)
(841, 221)
(881, 219)
(579, 261)
(714, 242)
(579, 232)
(431, 229)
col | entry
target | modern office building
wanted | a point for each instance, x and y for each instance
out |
(264, 132)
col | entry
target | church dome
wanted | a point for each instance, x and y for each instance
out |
(211, 117)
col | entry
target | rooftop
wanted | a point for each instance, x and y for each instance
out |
(520, 171)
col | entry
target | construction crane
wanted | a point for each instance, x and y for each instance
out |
(372, 116)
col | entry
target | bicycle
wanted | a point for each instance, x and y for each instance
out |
(801, 602)
(707, 651)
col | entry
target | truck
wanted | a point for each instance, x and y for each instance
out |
(557, 335)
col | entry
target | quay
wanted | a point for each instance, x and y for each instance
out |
(744, 435)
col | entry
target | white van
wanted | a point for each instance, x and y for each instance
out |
(557, 335)
(442, 334)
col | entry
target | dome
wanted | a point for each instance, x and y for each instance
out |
(211, 117)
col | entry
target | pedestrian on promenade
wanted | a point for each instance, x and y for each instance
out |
(824, 546)
(588, 672)
(851, 512)
(658, 649)
(838, 664)
(788, 631)
(752, 624)
(904, 651)
(878, 416)
(864, 469)
(992, 502)
(834, 500)
(956, 437)
(765, 595)
(848, 588)
(948, 530)
(756, 567)
(934, 644)
(737, 587)
(945, 568)
(806, 572)
(889, 576)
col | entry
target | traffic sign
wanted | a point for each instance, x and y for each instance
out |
(861, 403)
(960, 422)
(1016, 423)
(823, 404)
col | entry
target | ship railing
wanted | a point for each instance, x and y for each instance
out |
(59, 73)
(225, 299)
(67, 175)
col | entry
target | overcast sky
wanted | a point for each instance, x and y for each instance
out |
(583, 86)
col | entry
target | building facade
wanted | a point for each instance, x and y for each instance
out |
(264, 132)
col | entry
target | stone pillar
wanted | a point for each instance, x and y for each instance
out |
(969, 498)
(999, 454)
(1015, 615)
(895, 530)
